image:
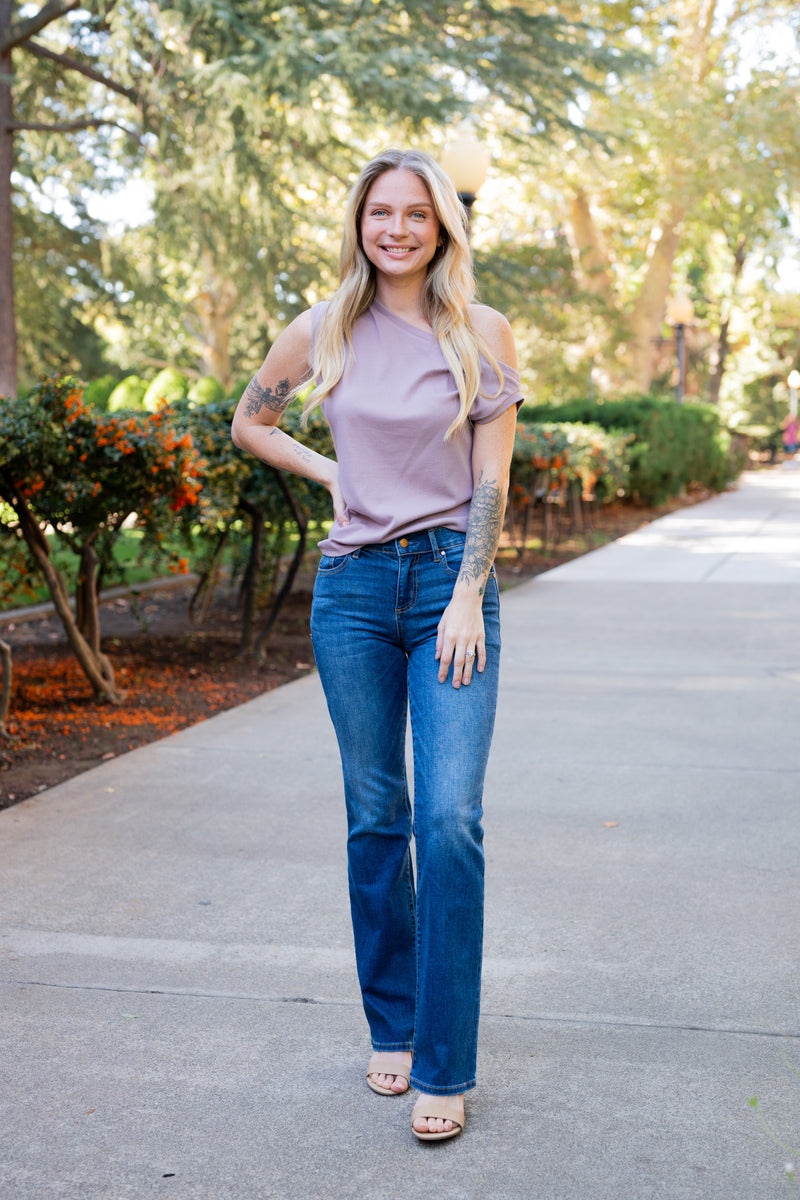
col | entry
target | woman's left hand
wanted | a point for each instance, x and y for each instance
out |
(460, 639)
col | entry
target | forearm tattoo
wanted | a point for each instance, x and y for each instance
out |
(257, 397)
(484, 527)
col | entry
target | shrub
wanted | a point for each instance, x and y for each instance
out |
(562, 467)
(67, 469)
(98, 392)
(128, 394)
(207, 390)
(673, 444)
(168, 386)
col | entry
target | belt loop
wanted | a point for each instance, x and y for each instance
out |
(434, 543)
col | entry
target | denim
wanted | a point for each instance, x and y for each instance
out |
(418, 942)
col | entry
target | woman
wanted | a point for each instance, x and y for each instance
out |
(420, 388)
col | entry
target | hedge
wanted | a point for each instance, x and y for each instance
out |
(673, 445)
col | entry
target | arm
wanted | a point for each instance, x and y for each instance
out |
(255, 422)
(461, 626)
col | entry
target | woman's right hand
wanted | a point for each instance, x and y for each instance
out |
(339, 507)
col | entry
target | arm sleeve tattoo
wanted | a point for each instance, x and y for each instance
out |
(257, 397)
(484, 527)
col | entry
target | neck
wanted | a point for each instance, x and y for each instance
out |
(403, 297)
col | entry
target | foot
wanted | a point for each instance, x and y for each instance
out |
(389, 1082)
(441, 1124)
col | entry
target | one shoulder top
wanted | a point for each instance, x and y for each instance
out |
(388, 416)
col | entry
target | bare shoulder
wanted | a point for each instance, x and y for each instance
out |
(495, 330)
(293, 344)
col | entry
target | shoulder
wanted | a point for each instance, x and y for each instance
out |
(290, 353)
(493, 328)
(300, 330)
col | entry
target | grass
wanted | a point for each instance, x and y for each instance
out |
(132, 563)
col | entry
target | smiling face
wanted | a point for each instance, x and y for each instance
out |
(399, 227)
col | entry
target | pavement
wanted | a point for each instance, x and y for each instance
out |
(180, 1015)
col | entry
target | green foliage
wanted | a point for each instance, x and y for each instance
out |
(127, 395)
(547, 457)
(81, 473)
(567, 465)
(673, 444)
(98, 392)
(168, 386)
(207, 390)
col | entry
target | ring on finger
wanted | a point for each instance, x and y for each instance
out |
(469, 653)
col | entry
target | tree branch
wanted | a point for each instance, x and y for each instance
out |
(17, 34)
(74, 64)
(65, 126)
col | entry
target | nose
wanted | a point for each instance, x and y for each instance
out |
(397, 225)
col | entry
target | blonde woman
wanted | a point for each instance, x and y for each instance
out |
(420, 389)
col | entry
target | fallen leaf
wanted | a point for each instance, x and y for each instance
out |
(611, 824)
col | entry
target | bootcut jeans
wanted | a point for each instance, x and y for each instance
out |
(418, 947)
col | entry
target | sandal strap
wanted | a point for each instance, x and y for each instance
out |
(424, 1109)
(378, 1065)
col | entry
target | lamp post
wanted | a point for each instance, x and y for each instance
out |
(680, 312)
(794, 383)
(466, 161)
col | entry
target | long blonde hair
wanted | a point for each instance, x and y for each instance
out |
(449, 287)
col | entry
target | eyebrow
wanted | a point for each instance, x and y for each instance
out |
(385, 204)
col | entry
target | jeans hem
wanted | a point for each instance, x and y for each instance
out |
(454, 1089)
(384, 1047)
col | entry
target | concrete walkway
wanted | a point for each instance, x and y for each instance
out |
(180, 1016)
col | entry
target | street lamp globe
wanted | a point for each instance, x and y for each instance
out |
(794, 383)
(680, 310)
(466, 161)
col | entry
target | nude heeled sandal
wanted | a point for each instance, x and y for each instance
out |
(431, 1108)
(386, 1066)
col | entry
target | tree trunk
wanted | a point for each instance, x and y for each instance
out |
(95, 666)
(203, 594)
(215, 307)
(723, 344)
(277, 604)
(87, 607)
(8, 324)
(252, 573)
(590, 256)
(5, 686)
(648, 311)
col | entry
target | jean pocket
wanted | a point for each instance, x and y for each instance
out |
(332, 565)
(451, 561)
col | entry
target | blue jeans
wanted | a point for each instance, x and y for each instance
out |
(418, 948)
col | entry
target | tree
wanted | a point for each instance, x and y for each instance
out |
(252, 512)
(252, 118)
(67, 468)
(74, 76)
(698, 145)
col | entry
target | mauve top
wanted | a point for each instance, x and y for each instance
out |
(388, 415)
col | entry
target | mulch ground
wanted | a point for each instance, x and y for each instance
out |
(175, 673)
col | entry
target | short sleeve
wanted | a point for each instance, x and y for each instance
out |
(490, 404)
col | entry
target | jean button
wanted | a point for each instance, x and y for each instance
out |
(403, 541)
